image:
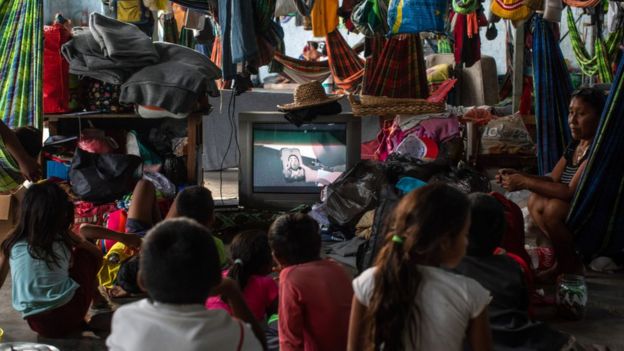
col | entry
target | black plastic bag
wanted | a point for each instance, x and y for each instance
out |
(355, 192)
(101, 178)
(398, 166)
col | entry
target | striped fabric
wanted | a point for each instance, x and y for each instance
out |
(21, 62)
(568, 173)
(346, 66)
(400, 70)
(10, 176)
(597, 213)
(553, 89)
(303, 71)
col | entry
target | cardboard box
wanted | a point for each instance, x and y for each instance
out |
(9, 211)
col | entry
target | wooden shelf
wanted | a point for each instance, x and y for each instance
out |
(194, 133)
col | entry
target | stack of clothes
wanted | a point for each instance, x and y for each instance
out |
(167, 76)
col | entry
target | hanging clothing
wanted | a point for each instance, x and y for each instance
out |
(324, 16)
(597, 211)
(346, 66)
(467, 47)
(238, 35)
(553, 88)
(21, 62)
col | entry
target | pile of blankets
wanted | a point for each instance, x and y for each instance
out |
(163, 75)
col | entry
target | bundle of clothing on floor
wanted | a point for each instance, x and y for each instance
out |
(158, 75)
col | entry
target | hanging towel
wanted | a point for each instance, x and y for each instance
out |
(597, 213)
(324, 16)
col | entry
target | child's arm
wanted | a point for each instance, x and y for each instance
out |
(27, 165)
(356, 326)
(94, 232)
(479, 332)
(230, 291)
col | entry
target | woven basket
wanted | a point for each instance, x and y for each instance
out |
(385, 106)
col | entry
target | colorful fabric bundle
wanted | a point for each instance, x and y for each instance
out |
(370, 18)
(515, 10)
(346, 66)
(303, 71)
(597, 214)
(605, 51)
(553, 88)
(467, 47)
(582, 3)
(415, 16)
(400, 70)
(324, 17)
(21, 62)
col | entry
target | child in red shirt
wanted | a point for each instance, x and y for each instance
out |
(314, 294)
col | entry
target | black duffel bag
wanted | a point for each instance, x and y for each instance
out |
(101, 178)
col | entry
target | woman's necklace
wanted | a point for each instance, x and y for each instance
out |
(580, 153)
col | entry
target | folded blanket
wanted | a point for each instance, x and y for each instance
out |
(175, 84)
(121, 41)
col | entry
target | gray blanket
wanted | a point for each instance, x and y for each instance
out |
(175, 83)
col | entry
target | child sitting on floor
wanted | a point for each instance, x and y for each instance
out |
(503, 277)
(252, 264)
(314, 293)
(408, 301)
(53, 270)
(179, 269)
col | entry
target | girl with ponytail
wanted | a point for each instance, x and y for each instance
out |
(408, 300)
(252, 264)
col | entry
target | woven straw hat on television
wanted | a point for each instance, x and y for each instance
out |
(309, 95)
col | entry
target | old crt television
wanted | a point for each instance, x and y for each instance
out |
(283, 166)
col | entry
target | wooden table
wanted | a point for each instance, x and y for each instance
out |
(194, 134)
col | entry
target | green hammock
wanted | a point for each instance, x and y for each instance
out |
(21, 62)
(605, 50)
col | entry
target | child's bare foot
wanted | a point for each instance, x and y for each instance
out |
(117, 292)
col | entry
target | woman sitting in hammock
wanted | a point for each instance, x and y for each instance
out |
(550, 198)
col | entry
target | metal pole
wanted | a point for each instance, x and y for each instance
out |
(518, 67)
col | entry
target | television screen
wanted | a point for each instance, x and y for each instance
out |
(291, 159)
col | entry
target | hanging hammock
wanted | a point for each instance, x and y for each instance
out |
(346, 66)
(21, 62)
(582, 3)
(600, 63)
(303, 71)
(400, 70)
(553, 88)
(597, 214)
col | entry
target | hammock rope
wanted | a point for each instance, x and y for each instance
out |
(597, 212)
(553, 88)
(21, 63)
(605, 50)
(346, 66)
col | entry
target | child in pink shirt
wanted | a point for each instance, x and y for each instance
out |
(252, 264)
(314, 294)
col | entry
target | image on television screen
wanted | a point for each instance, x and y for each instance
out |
(290, 159)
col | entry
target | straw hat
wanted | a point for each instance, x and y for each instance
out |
(309, 95)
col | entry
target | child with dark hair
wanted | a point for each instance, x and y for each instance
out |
(408, 300)
(314, 293)
(195, 202)
(179, 268)
(503, 277)
(53, 270)
(252, 264)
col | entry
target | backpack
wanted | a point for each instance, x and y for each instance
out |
(130, 11)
